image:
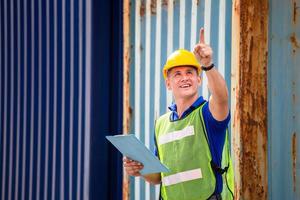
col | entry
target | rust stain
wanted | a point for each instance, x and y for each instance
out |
(164, 3)
(294, 159)
(141, 48)
(126, 61)
(126, 193)
(153, 7)
(251, 98)
(126, 86)
(237, 7)
(295, 11)
(142, 8)
(294, 96)
(294, 41)
(197, 2)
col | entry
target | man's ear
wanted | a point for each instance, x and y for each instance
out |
(168, 85)
(199, 80)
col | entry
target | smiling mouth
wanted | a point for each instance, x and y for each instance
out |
(185, 86)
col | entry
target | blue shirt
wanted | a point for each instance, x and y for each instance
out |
(216, 132)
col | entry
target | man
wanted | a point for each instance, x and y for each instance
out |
(192, 139)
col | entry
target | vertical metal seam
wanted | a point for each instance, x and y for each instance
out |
(87, 95)
(80, 94)
(79, 142)
(147, 85)
(1, 95)
(71, 99)
(147, 72)
(1, 92)
(11, 156)
(38, 177)
(63, 115)
(193, 25)
(32, 100)
(157, 70)
(221, 43)
(137, 67)
(5, 102)
(137, 86)
(19, 102)
(207, 21)
(47, 98)
(55, 103)
(169, 45)
(126, 86)
(157, 61)
(182, 24)
(24, 103)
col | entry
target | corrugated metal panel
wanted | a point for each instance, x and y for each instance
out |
(157, 29)
(284, 105)
(44, 99)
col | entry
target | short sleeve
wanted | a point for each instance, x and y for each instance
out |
(217, 126)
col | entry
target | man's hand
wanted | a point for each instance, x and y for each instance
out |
(132, 167)
(202, 51)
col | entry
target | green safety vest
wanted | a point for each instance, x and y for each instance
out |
(183, 148)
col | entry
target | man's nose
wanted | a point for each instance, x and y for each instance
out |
(185, 77)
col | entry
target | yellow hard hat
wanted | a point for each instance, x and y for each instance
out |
(181, 57)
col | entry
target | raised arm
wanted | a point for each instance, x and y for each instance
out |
(218, 102)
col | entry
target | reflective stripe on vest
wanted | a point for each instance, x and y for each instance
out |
(182, 177)
(176, 135)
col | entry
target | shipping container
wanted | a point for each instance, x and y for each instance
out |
(157, 28)
(283, 100)
(45, 96)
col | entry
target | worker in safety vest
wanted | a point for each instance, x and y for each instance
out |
(192, 139)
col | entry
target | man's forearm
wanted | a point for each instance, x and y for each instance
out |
(217, 86)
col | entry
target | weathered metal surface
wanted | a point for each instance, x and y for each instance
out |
(284, 105)
(157, 28)
(294, 159)
(249, 97)
(126, 86)
(45, 73)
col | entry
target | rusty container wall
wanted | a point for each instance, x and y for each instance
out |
(157, 28)
(249, 97)
(126, 86)
(284, 102)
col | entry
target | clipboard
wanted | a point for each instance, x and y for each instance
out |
(133, 148)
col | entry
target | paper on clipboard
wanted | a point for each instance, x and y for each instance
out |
(133, 148)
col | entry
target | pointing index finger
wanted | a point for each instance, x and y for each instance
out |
(201, 37)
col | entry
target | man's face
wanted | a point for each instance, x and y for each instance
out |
(183, 81)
